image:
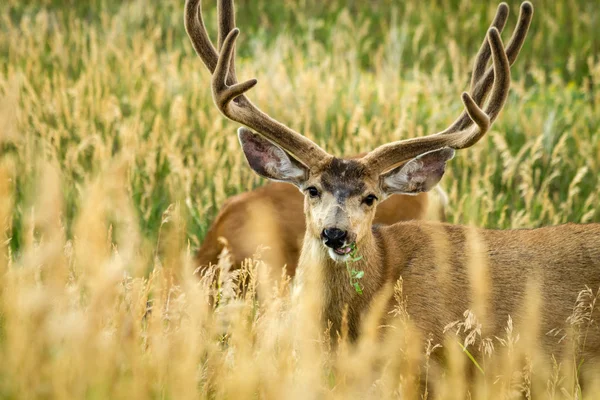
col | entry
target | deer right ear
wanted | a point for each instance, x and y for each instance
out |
(269, 160)
(418, 175)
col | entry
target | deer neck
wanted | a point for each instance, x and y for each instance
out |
(319, 275)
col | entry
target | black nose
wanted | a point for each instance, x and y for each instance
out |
(334, 237)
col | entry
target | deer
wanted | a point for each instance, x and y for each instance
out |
(433, 259)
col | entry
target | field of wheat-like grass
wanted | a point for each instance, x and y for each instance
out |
(114, 162)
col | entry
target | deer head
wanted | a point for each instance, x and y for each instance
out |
(341, 195)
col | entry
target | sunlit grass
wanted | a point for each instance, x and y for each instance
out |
(113, 162)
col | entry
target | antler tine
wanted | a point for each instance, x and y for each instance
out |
(501, 79)
(484, 53)
(222, 92)
(226, 16)
(228, 95)
(390, 155)
(194, 26)
(481, 82)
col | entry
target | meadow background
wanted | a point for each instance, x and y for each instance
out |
(114, 161)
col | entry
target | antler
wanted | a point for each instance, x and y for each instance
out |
(228, 94)
(462, 133)
(482, 78)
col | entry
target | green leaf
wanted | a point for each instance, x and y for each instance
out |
(358, 288)
(471, 357)
(354, 274)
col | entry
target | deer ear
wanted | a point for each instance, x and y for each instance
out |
(420, 174)
(269, 160)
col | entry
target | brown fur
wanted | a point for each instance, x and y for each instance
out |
(448, 269)
(560, 261)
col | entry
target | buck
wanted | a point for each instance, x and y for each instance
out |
(434, 260)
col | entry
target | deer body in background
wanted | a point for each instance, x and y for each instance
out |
(442, 266)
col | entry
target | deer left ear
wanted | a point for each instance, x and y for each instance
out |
(418, 175)
(271, 161)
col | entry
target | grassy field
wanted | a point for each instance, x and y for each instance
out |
(114, 161)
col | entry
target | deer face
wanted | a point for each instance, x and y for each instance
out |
(340, 203)
(341, 195)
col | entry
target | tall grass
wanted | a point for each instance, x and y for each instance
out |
(113, 162)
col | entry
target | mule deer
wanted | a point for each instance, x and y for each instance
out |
(433, 259)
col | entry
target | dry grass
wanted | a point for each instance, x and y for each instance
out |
(113, 162)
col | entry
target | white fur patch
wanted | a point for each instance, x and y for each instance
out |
(337, 257)
(408, 178)
(281, 165)
(309, 266)
(419, 174)
(442, 196)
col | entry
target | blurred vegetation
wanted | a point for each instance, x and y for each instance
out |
(563, 29)
(114, 162)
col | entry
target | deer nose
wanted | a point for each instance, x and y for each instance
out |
(334, 237)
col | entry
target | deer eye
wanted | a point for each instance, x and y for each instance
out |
(313, 192)
(369, 200)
